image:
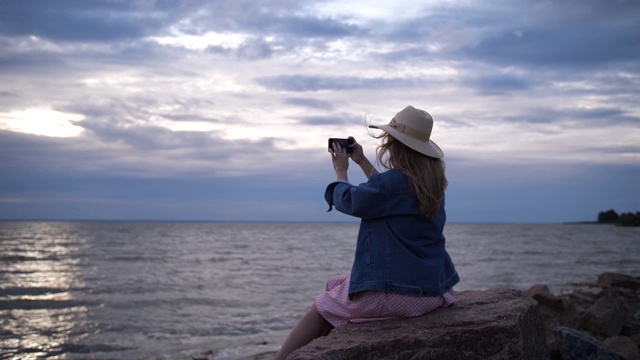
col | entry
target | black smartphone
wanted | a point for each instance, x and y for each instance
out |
(344, 143)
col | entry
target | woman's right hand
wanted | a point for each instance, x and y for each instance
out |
(357, 155)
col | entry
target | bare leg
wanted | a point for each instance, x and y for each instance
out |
(311, 326)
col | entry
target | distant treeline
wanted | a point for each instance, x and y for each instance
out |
(624, 219)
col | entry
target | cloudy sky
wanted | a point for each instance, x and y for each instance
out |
(220, 110)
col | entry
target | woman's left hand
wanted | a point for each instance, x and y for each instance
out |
(340, 160)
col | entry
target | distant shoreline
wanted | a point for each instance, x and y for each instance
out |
(587, 222)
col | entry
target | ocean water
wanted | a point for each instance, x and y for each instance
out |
(162, 290)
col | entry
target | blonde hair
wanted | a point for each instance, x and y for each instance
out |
(426, 174)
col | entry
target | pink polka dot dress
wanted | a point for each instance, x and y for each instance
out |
(336, 307)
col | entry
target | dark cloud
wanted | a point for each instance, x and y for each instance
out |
(303, 83)
(24, 156)
(185, 116)
(147, 138)
(137, 174)
(586, 45)
(310, 103)
(77, 20)
(601, 115)
(561, 191)
(255, 48)
(328, 120)
(496, 84)
(285, 18)
(309, 26)
(613, 149)
(568, 118)
(573, 35)
(36, 61)
(141, 152)
(250, 198)
(8, 94)
(563, 34)
(80, 60)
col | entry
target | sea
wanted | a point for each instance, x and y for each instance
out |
(233, 290)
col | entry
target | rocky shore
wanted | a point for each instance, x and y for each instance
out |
(491, 324)
(600, 320)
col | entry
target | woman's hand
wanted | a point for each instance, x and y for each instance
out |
(357, 155)
(340, 161)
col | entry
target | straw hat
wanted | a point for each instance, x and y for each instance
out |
(412, 127)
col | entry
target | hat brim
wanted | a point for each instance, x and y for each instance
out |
(428, 148)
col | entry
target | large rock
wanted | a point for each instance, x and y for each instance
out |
(610, 279)
(606, 317)
(544, 296)
(492, 324)
(594, 316)
(624, 346)
(578, 345)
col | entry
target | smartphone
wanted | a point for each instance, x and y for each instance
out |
(344, 143)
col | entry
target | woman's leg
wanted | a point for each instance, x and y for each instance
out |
(311, 326)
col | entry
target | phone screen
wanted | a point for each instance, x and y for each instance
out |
(344, 143)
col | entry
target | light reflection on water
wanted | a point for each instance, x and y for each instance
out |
(39, 271)
(131, 290)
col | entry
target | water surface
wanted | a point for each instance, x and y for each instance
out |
(230, 290)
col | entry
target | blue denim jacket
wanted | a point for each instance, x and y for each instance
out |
(398, 250)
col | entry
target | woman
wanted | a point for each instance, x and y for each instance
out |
(401, 268)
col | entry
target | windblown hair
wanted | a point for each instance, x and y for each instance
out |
(426, 174)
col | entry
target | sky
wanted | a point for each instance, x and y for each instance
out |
(221, 110)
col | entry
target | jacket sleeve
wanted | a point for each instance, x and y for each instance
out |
(366, 201)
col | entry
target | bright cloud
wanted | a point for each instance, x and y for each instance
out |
(42, 122)
(201, 42)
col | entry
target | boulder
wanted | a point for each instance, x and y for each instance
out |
(579, 345)
(606, 313)
(624, 346)
(492, 324)
(544, 297)
(610, 279)
(605, 317)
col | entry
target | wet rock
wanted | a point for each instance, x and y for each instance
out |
(609, 279)
(578, 345)
(624, 346)
(492, 324)
(608, 310)
(606, 317)
(544, 296)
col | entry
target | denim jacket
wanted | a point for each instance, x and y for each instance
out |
(398, 250)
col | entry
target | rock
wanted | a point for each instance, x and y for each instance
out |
(609, 279)
(578, 345)
(605, 317)
(544, 296)
(492, 324)
(624, 346)
(582, 296)
(606, 310)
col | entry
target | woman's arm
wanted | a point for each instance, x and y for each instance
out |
(367, 167)
(358, 157)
